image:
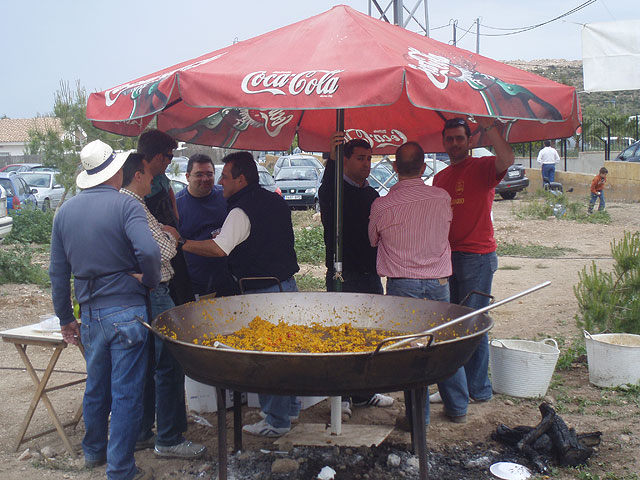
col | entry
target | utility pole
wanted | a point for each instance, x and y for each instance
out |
(454, 24)
(399, 18)
(477, 35)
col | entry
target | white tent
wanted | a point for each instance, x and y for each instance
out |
(611, 56)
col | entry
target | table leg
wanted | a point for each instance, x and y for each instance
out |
(222, 433)
(40, 393)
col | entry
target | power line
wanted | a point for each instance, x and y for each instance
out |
(514, 31)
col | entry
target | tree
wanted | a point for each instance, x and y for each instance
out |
(60, 144)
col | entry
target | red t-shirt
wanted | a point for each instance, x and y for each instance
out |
(471, 186)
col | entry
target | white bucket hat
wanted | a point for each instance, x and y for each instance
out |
(100, 163)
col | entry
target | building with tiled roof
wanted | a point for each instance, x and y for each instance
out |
(14, 133)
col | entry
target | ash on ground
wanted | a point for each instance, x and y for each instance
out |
(384, 462)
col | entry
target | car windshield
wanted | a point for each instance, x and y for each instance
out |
(264, 178)
(37, 179)
(303, 162)
(6, 184)
(297, 174)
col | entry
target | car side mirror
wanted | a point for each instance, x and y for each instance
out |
(34, 191)
(57, 185)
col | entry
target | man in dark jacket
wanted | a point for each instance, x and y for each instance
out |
(359, 273)
(257, 238)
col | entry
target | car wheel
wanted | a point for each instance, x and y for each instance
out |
(508, 195)
(46, 205)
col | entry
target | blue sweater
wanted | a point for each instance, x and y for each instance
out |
(104, 235)
(199, 216)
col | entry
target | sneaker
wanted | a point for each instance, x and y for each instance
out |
(143, 474)
(292, 418)
(435, 398)
(145, 444)
(185, 449)
(89, 464)
(263, 429)
(346, 409)
(376, 400)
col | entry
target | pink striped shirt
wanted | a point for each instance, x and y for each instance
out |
(410, 226)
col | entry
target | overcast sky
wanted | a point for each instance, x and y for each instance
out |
(106, 43)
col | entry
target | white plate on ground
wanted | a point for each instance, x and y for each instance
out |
(510, 471)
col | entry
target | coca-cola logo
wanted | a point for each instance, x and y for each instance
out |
(378, 138)
(312, 82)
(436, 68)
(272, 120)
(111, 96)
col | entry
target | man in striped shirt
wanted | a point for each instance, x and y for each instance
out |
(168, 398)
(410, 227)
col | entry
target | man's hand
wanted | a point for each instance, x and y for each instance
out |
(137, 276)
(71, 332)
(172, 231)
(504, 152)
(337, 139)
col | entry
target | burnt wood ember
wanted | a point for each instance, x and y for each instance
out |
(550, 439)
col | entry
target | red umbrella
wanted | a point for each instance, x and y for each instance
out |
(394, 85)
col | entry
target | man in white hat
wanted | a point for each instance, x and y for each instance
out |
(102, 237)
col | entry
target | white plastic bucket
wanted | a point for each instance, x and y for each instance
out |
(614, 358)
(522, 368)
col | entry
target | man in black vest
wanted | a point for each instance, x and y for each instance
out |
(257, 236)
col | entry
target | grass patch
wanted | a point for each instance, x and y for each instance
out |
(309, 245)
(545, 204)
(508, 249)
(573, 353)
(16, 266)
(510, 267)
(308, 283)
(304, 218)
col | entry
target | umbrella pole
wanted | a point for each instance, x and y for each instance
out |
(339, 189)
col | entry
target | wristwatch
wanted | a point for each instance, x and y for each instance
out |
(181, 241)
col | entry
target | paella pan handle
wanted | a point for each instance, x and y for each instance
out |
(145, 325)
(476, 292)
(404, 342)
(406, 337)
(249, 279)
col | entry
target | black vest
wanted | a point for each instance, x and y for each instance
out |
(268, 251)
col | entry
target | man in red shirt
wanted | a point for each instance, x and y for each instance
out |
(471, 184)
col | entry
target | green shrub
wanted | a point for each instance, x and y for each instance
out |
(16, 267)
(309, 245)
(543, 203)
(611, 300)
(31, 226)
(309, 283)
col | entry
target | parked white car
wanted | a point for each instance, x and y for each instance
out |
(47, 190)
(6, 222)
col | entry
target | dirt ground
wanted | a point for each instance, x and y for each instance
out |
(547, 313)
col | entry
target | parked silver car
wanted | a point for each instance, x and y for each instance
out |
(297, 160)
(6, 222)
(45, 187)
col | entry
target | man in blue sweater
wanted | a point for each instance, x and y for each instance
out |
(203, 209)
(102, 238)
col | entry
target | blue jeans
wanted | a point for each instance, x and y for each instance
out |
(471, 271)
(595, 197)
(164, 384)
(279, 407)
(429, 289)
(116, 351)
(549, 171)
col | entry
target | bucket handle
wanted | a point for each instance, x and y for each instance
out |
(587, 335)
(502, 345)
(555, 344)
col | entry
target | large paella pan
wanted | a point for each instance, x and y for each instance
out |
(314, 373)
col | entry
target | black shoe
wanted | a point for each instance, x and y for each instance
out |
(89, 464)
(141, 474)
(146, 444)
